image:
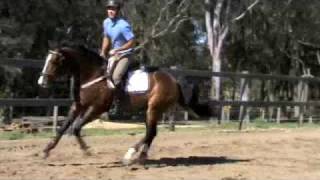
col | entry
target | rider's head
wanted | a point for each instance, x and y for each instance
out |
(113, 8)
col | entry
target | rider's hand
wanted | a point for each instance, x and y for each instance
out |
(113, 52)
(103, 55)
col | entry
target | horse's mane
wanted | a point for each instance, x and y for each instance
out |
(88, 53)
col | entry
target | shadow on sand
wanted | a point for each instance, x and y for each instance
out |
(192, 161)
(164, 162)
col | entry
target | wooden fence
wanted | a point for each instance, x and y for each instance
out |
(32, 102)
(301, 104)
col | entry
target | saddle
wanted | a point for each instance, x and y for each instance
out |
(135, 80)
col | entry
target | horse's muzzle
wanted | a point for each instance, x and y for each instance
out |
(43, 81)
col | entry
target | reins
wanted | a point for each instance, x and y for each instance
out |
(109, 82)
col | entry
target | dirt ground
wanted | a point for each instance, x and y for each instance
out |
(274, 155)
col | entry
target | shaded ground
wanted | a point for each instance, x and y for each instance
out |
(203, 154)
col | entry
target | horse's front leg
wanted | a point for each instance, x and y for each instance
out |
(88, 116)
(72, 115)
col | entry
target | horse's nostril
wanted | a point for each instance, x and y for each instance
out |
(43, 81)
(40, 80)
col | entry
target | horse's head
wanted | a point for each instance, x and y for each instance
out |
(54, 66)
(70, 60)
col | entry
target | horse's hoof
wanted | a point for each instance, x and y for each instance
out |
(45, 155)
(127, 159)
(87, 153)
(127, 162)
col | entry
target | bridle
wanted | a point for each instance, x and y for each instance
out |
(55, 53)
(51, 52)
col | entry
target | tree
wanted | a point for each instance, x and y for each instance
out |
(164, 30)
(218, 18)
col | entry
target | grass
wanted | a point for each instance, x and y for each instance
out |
(257, 124)
(15, 135)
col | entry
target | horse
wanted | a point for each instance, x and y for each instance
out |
(94, 95)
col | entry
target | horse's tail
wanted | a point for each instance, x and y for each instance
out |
(187, 105)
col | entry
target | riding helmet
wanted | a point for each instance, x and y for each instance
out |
(113, 3)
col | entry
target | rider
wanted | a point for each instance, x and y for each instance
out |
(118, 37)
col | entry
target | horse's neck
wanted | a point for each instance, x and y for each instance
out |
(82, 76)
(89, 73)
(85, 70)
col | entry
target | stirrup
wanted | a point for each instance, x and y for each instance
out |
(116, 109)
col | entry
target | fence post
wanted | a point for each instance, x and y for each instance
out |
(222, 115)
(263, 114)
(271, 98)
(303, 96)
(11, 109)
(278, 115)
(301, 113)
(71, 93)
(185, 115)
(310, 120)
(55, 119)
(172, 121)
(244, 96)
(225, 114)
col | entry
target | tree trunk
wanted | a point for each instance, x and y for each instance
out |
(215, 81)
(216, 33)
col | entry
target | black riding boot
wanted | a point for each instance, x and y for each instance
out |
(118, 95)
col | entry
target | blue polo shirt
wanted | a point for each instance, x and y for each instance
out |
(118, 30)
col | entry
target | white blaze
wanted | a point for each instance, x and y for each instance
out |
(41, 80)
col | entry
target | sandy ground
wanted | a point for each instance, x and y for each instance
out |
(112, 125)
(274, 155)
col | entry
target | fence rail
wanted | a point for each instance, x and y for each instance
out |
(264, 103)
(17, 62)
(34, 63)
(209, 74)
(31, 102)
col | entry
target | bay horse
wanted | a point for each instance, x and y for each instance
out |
(89, 103)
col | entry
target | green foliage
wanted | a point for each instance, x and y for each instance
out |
(11, 136)
(177, 48)
(269, 39)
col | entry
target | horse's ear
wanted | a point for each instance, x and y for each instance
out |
(53, 45)
(65, 44)
(82, 47)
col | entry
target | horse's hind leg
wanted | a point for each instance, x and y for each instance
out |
(73, 113)
(151, 131)
(87, 117)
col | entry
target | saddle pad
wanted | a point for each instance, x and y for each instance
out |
(137, 81)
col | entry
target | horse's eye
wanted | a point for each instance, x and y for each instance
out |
(57, 62)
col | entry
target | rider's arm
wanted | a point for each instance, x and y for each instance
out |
(128, 45)
(105, 46)
(127, 33)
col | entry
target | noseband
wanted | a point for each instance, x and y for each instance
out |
(55, 53)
